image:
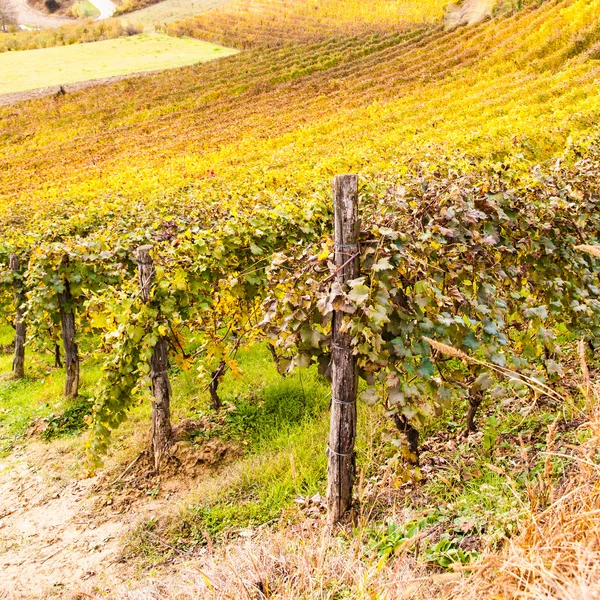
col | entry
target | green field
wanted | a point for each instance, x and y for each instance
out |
(33, 69)
(84, 9)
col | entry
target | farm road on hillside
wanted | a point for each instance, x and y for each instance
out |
(26, 15)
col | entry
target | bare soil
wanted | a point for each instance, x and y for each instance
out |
(64, 7)
(62, 536)
(30, 16)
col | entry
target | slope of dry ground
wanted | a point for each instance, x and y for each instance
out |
(62, 535)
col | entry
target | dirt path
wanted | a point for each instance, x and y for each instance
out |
(61, 537)
(35, 18)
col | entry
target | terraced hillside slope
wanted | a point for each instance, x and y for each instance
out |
(275, 22)
(279, 120)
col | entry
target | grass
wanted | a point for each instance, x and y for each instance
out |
(39, 398)
(474, 497)
(555, 553)
(281, 422)
(84, 9)
(473, 494)
(259, 489)
(34, 69)
(278, 421)
(71, 421)
(473, 500)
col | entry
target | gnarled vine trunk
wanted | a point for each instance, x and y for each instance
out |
(67, 319)
(57, 359)
(412, 436)
(215, 380)
(18, 366)
(162, 432)
(475, 400)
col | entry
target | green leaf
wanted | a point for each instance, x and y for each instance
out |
(426, 368)
(483, 382)
(370, 396)
(359, 292)
(383, 264)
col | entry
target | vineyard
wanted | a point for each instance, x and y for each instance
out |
(157, 232)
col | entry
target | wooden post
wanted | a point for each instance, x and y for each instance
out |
(159, 367)
(20, 326)
(342, 433)
(67, 319)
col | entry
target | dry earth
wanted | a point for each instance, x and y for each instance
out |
(62, 536)
(26, 15)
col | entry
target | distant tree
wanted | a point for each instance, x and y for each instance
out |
(8, 15)
(52, 5)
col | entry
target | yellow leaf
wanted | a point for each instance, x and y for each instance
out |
(183, 362)
(234, 368)
(99, 320)
(324, 254)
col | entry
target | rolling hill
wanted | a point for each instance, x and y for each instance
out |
(174, 232)
(309, 102)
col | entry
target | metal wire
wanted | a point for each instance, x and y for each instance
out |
(340, 454)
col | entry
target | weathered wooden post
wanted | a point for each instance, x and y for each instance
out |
(67, 319)
(342, 433)
(159, 367)
(20, 326)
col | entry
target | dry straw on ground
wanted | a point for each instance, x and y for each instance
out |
(283, 565)
(557, 554)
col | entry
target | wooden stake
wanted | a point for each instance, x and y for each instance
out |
(162, 432)
(342, 433)
(67, 318)
(20, 326)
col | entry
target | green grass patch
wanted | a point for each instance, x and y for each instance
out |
(476, 491)
(282, 422)
(7, 336)
(32, 69)
(39, 396)
(70, 421)
(259, 407)
(254, 491)
(84, 9)
(473, 495)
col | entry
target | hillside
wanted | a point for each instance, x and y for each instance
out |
(496, 91)
(168, 255)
